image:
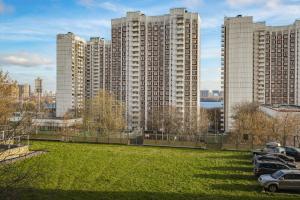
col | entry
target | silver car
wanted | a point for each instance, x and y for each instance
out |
(282, 179)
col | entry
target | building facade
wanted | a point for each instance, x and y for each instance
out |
(98, 69)
(38, 86)
(24, 91)
(260, 63)
(151, 63)
(70, 55)
(204, 93)
(155, 64)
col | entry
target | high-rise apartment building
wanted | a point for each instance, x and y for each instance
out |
(98, 69)
(24, 91)
(155, 64)
(70, 55)
(260, 64)
(151, 63)
(38, 84)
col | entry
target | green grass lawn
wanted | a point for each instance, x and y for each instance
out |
(95, 171)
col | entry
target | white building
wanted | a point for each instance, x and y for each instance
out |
(260, 64)
(70, 55)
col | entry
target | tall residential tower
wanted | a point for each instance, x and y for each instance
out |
(260, 64)
(70, 58)
(97, 67)
(155, 64)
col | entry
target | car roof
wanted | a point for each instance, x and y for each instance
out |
(272, 162)
(291, 171)
(268, 156)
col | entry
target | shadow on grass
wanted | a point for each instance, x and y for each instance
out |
(229, 168)
(33, 194)
(236, 156)
(225, 176)
(237, 187)
(232, 168)
(242, 162)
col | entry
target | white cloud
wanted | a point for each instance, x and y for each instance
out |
(279, 11)
(5, 8)
(211, 22)
(107, 5)
(209, 52)
(241, 3)
(210, 84)
(43, 29)
(24, 59)
(194, 4)
(276, 10)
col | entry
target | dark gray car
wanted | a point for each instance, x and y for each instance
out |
(282, 179)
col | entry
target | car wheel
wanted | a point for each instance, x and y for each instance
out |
(272, 188)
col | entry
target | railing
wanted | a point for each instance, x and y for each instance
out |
(11, 138)
(204, 140)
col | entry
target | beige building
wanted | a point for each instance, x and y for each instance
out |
(151, 63)
(259, 64)
(70, 55)
(155, 64)
(24, 91)
(38, 83)
(97, 66)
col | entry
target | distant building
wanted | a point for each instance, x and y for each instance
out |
(281, 110)
(38, 82)
(70, 55)
(24, 91)
(204, 93)
(259, 64)
(215, 93)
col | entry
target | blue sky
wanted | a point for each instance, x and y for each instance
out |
(28, 29)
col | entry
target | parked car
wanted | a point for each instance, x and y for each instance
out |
(294, 152)
(273, 144)
(284, 157)
(265, 167)
(267, 150)
(271, 157)
(282, 179)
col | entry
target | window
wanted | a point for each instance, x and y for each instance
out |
(289, 176)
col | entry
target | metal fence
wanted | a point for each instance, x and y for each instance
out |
(207, 140)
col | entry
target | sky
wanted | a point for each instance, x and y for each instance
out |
(28, 29)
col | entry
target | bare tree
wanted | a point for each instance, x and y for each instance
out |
(197, 122)
(104, 113)
(12, 127)
(249, 121)
(284, 125)
(8, 98)
(172, 121)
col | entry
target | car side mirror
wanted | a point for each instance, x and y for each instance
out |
(281, 178)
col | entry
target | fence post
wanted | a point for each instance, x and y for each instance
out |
(108, 138)
(252, 142)
(222, 135)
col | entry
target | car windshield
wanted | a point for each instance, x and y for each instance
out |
(297, 149)
(277, 174)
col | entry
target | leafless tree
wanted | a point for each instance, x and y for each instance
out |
(104, 113)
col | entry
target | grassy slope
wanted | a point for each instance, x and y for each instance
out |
(91, 171)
